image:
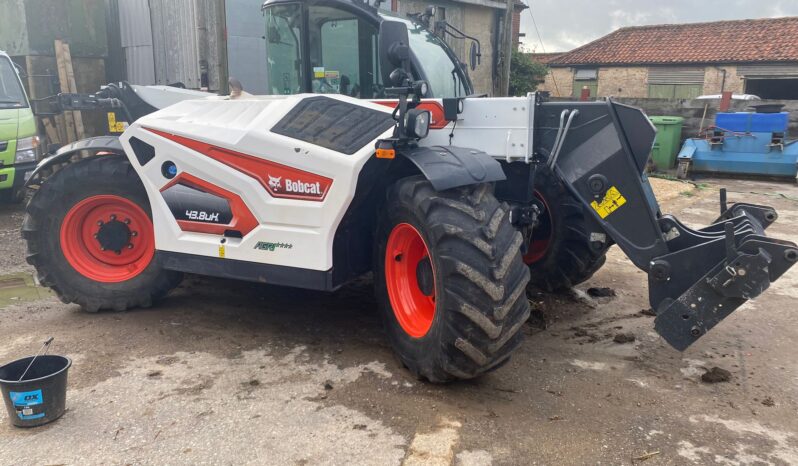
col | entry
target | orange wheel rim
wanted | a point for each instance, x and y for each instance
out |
(410, 280)
(107, 238)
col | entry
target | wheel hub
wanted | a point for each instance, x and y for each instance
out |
(107, 238)
(114, 235)
(410, 280)
(424, 277)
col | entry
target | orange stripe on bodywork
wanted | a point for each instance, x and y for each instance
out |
(243, 221)
(279, 180)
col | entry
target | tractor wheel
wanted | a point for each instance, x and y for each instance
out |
(449, 279)
(560, 255)
(90, 237)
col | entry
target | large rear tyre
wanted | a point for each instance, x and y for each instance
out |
(90, 237)
(560, 255)
(449, 279)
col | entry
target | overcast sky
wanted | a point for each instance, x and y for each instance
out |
(567, 24)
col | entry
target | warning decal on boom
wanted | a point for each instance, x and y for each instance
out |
(611, 202)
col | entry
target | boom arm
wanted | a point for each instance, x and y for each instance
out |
(696, 277)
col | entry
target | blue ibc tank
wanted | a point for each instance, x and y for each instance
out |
(745, 122)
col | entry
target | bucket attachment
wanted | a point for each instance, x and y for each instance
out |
(696, 277)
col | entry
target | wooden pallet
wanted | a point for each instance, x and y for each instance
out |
(72, 121)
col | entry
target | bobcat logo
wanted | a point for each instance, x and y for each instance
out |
(275, 182)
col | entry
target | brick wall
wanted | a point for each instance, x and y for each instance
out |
(480, 22)
(632, 81)
(559, 82)
(474, 20)
(623, 82)
(713, 80)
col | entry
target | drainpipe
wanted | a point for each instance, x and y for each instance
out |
(725, 101)
(723, 83)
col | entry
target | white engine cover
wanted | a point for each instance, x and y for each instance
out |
(289, 232)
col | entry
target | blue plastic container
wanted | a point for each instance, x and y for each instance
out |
(745, 122)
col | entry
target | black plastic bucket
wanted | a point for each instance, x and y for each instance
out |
(39, 398)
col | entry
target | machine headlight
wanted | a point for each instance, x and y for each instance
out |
(418, 122)
(27, 150)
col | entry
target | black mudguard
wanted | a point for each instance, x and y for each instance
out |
(91, 146)
(451, 167)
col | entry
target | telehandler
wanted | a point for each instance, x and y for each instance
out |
(313, 191)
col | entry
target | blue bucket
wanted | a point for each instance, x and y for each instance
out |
(41, 396)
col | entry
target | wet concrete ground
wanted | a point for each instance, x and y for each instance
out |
(225, 372)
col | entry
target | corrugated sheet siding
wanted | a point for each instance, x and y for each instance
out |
(13, 33)
(136, 37)
(676, 75)
(212, 50)
(246, 46)
(175, 45)
(768, 71)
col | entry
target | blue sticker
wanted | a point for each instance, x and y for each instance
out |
(27, 398)
(24, 403)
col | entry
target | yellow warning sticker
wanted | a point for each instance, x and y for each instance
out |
(221, 251)
(115, 126)
(611, 202)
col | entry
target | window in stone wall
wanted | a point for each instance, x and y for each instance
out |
(585, 77)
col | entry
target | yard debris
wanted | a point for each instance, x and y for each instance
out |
(580, 332)
(716, 375)
(581, 297)
(328, 385)
(622, 338)
(155, 373)
(768, 401)
(649, 312)
(556, 418)
(645, 456)
(603, 292)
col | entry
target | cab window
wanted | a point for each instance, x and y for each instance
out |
(343, 54)
(443, 74)
(284, 49)
(11, 93)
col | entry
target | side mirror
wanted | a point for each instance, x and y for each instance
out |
(21, 72)
(394, 50)
(473, 56)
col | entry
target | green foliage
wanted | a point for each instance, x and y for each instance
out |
(525, 74)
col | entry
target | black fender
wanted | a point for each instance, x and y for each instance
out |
(90, 147)
(448, 167)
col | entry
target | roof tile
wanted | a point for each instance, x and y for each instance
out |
(745, 41)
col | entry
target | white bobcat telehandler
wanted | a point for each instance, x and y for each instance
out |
(450, 202)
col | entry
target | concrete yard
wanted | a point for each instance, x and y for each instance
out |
(225, 372)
